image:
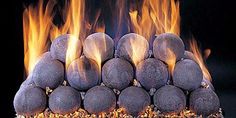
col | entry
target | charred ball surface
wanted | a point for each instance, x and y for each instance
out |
(64, 100)
(169, 99)
(48, 72)
(204, 102)
(187, 75)
(98, 44)
(166, 42)
(83, 73)
(133, 47)
(117, 73)
(152, 73)
(99, 99)
(59, 47)
(134, 100)
(30, 100)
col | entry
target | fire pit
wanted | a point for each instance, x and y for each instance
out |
(83, 72)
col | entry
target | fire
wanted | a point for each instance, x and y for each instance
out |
(37, 22)
(171, 59)
(165, 15)
(159, 16)
(199, 59)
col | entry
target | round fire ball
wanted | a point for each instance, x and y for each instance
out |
(30, 100)
(204, 102)
(48, 72)
(83, 73)
(189, 55)
(166, 44)
(169, 99)
(28, 81)
(133, 47)
(64, 100)
(59, 46)
(99, 99)
(187, 75)
(98, 44)
(134, 100)
(117, 73)
(152, 73)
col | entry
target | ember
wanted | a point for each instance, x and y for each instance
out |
(82, 75)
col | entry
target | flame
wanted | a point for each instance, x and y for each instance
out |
(165, 16)
(37, 22)
(199, 59)
(171, 59)
(160, 16)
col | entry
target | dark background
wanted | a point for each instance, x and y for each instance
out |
(212, 22)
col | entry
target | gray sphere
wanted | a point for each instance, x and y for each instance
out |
(64, 100)
(98, 45)
(117, 73)
(189, 55)
(48, 72)
(99, 99)
(28, 81)
(169, 99)
(30, 100)
(83, 73)
(187, 75)
(134, 100)
(152, 73)
(165, 42)
(133, 47)
(59, 47)
(204, 102)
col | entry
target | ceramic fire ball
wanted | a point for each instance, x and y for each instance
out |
(152, 73)
(134, 100)
(168, 44)
(99, 99)
(83, 73)
(64, 100)
(60, 45)
(99, 47)
(30, 100)
(48, 72)
(133, 47)
(187, 75)
(117, 73)
(204, 101)
(170, 99)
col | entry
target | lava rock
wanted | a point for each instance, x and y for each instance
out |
(169, 99)
(187, 75)
(133, 47)
(204, 101)
(64, 100)
(99, 47)
(134, 100)
(117, 73)
(48, 72)
(30, 100)
(59, 47)
(165, 42)
(99, 99)
(152, 73)
(83, 73)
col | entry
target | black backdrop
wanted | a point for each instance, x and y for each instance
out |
(212, 22)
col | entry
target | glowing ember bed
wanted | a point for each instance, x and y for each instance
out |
(97, 78)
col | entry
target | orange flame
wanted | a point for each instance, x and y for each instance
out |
(171, 59)
(198, 56)
(165, 15)
(37, 22)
